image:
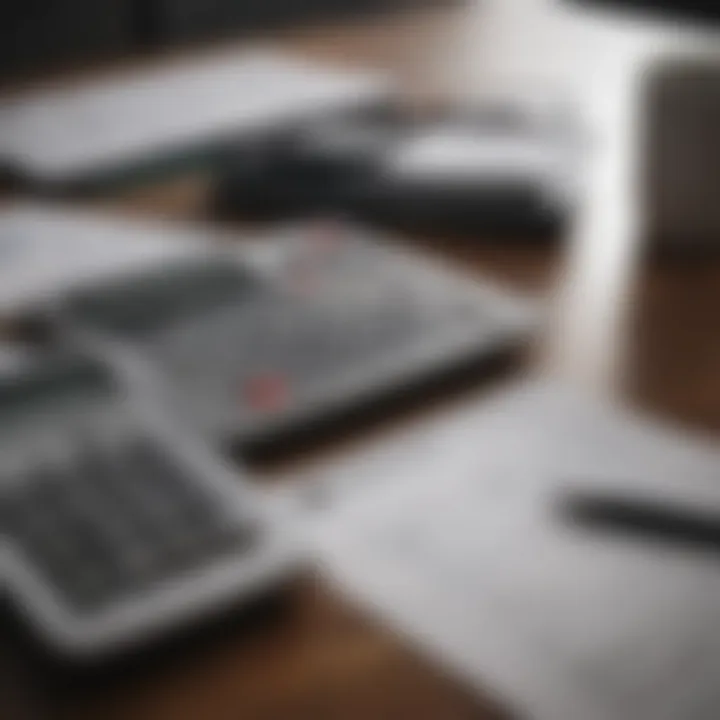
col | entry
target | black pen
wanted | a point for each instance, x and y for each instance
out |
(648, 519)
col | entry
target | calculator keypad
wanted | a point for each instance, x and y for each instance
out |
(114, 521)
(364, 307)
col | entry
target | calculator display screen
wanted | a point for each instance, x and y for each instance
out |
(149, 302)
(46, 384)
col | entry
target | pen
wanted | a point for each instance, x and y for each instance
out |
(648, 519)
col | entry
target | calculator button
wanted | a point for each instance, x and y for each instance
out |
(113, 521)
(266, 392)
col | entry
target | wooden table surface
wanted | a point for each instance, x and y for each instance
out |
(314, 657)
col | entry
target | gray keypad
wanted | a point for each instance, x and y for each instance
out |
(113, 521)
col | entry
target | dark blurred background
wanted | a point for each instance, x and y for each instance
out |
(39, 34)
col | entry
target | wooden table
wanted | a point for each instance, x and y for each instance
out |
(314, 657)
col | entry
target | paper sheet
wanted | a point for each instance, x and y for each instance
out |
(461, 549)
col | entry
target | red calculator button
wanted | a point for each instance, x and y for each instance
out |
(267, 392)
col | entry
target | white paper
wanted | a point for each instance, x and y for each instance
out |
(60, 132)
(460, 547)
(472, 156)
(45, 251)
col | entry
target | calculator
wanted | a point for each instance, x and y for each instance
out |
(115, 526)
(311, 323)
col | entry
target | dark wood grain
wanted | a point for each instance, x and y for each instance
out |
(315, 659)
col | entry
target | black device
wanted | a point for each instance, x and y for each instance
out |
(311, 323)
(497, 169)
(115, 526)
(318, 169)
